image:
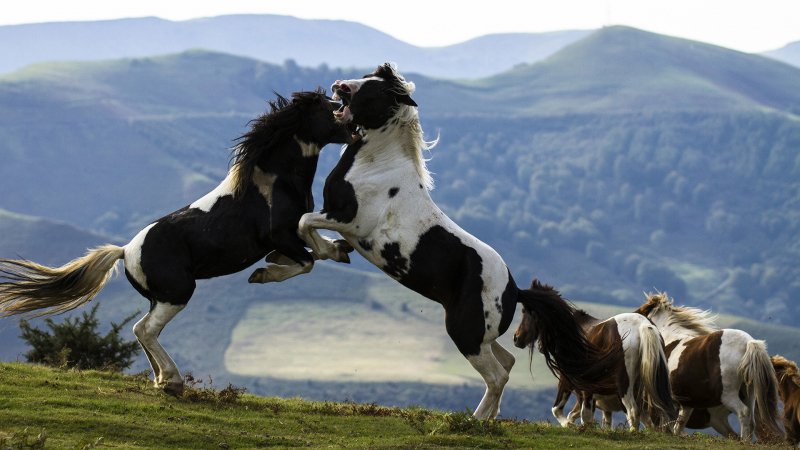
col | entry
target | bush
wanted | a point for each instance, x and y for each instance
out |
(76, 343)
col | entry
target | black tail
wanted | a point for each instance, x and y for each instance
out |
(562, 341)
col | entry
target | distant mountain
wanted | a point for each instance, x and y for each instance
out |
(621, 69)
(274, 39)
(790, 54)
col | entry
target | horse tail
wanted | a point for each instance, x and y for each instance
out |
(563, 342)
(758, 375)
(654, 372)
(28, 287)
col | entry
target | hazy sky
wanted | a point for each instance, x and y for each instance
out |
(746, 25)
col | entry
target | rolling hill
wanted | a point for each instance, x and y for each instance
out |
(271, 38)
(790, 54)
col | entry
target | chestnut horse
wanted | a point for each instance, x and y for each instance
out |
(789, 389)
(640, 378)
(710, 368)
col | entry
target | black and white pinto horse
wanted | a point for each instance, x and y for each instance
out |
(715, 369)
(641, 377)
(377, 197)
(253, 211)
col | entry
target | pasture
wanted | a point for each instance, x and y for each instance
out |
(83, 409)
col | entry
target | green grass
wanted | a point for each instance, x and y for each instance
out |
(42, 407)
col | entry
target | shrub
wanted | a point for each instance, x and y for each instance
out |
(76, 343)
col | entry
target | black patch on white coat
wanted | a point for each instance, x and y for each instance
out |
(365, 244)
(393, 191)
(339, 195)
(445, 270)
(396, 264)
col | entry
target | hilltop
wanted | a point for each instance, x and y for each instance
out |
(76, 409)
(274, 39)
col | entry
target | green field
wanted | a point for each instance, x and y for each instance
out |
(50, 408)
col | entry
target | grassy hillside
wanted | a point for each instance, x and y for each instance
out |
(71, 409)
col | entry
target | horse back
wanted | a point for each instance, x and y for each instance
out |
(229, 237)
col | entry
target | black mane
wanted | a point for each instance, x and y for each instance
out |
(267, 133)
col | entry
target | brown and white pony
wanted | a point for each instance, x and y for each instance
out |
(640, 377)
(789, 389)
(711, 368)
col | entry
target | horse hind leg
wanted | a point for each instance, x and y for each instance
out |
(495, 376)
(147, 330)
(139, 331)
(744, 412)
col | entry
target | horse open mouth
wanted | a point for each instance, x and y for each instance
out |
(342, 93)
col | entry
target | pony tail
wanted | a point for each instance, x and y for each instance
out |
(759, 376)
(654, 372)
(563, 343)
(28, 287)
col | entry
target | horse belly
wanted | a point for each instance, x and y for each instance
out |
(697, 378)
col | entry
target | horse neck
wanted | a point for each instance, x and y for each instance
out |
(670, 331)
(292, 159)
(397, 147)
(586, 320)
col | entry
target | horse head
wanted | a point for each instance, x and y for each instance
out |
(370, 102)
(526, 333)
(317, 124)
(307, 119)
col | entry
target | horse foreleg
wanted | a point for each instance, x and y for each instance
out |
(147, 330)
(607, 419)
(683, 416)
(495, 376)
(587, 408)
(575, 412)
(562, 396)
(323, 248)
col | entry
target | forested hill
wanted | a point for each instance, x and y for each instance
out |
(627, 161)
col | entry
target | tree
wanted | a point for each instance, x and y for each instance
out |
(75, 342)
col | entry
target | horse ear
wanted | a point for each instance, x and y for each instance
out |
(406, 100)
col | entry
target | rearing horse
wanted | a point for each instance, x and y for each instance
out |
(253, 211)
(377, 197)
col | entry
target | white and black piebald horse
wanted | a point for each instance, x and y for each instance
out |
(641, 376)
(377, 197)
(253, 211)
(712, 368)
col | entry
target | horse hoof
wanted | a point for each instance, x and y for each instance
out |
(258, 276)
(173, 388)
(343, 246)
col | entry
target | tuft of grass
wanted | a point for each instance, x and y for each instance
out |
(466, 423)
(197, 390)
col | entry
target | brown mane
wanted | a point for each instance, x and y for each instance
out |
(786, 368)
